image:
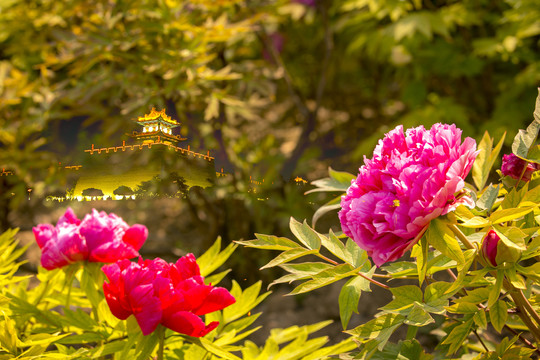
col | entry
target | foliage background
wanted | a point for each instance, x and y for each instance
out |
(276, 89)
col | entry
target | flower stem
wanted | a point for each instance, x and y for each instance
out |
(161, 337)
(374, 281)
(411, 332)
(528, 306)
(461, 236)
(327, 259)
(525, 310)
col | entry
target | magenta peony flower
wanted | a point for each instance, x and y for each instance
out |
(410, 180)
(98, 238)
(489, 247)
(513, 166)
(157, 292)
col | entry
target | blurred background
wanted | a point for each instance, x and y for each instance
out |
(274, 90)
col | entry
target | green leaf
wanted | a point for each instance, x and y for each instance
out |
(462, 270)
(80, 319)
(269, 242)
(349, 297)
(498, 313)
(212, 110)
(241, 323)
(324, 278)
(408, 26)
(338, 181)
(476, 222)
(8, 335)
(412, 350)
(336, 349)
(404, 298)
(441, 238)
(475, 296)
(463, 308)
(355, 255)
(335, 246)
(245, 301)
(331, 205)
(306, 269)
(525, 139)
(509, 249)
(104, 313)
(458, 335)
(287, 256)
(480, 320)
(342, 177)
(501, 216)
(305, 234)
(514, 278)
(514, 197)
(102, 351)
(380, 328)
(146, 345)
(284, 335)
(213, 258)
(485, 159)
(436, 297)
(488, 197)
(495, 291)
(86, 337)
(213, 348)
(300, 271)
(299, 347)
(529, 197)
(418, 316)
(216, 278)
(420, 252)
(88, 284)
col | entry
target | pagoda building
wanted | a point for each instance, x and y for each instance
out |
(155, 156)
(157, 128)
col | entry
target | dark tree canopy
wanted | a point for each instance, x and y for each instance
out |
(92, 192)
(123, 190)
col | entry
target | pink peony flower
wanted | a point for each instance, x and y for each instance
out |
(157, 292)
(411, 179)
(513, 166)
(98, 238)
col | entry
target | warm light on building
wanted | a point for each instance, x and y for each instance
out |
(156, 131)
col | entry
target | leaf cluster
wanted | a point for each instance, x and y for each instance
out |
(449, 289)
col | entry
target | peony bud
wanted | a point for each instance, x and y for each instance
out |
(497, 250)
(489, 247)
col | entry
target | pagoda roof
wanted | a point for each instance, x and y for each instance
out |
(155, 116)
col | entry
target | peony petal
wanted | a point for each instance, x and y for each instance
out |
(69, 218)
(64, 247)
(117, 306)
(135, 236)
(187, 267)
(111, 252)
(185, 322)
(100, 228)
(149, 317)
(43, 233)
(218, 299)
